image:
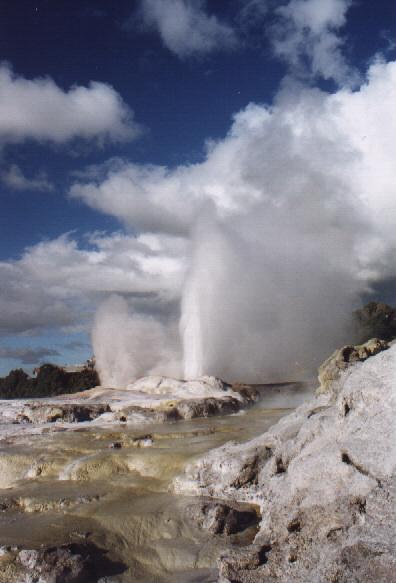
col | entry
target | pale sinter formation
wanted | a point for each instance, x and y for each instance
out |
(324, 477)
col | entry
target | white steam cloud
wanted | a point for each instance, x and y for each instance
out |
(292, 219)
(268, 294)
(128, 346)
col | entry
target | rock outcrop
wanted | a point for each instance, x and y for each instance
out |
(324, 478)
(331, 370)
(69, 563)
(219, 518)
(38, 413)
(151, 399)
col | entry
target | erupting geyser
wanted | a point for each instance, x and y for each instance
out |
(255, 299)
(127, 346)
(292, 220)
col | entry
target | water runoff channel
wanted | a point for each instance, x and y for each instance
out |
(110, 487)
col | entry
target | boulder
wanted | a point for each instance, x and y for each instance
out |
(324, 478)
(330, 370)
(68, 563)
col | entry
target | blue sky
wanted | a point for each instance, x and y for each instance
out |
(80, 161)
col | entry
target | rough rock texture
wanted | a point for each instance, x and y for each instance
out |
(37, 412)
(206, 386)
(150, 399)
(220, 518)
(71, 563)
(325, 480)
(332, 368)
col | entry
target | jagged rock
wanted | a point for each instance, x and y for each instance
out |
(220, 518)
(151, 399)
(41, 412)
(330, 371)
(69, 563)
(194, 408)
(325, 480)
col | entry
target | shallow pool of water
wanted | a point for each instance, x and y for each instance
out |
(110, 485)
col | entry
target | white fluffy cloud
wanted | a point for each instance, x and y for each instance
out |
(15, 179)
(39, 109)
(306, 36)
(185, 28)
(57, 284)
(330, 148)
(291, 212)
(266, 244)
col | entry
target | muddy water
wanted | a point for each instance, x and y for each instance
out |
(109, 485)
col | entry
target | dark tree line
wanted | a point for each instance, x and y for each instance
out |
(50, 381)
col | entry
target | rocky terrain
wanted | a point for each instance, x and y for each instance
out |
(88, 500)
(324, 478)
(109, 493)
(151, 399)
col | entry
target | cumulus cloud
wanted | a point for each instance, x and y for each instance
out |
(28, 356)
(38, 109)
(58, 284)
(291, 213)
(329, 147)
(265, 246)
(14, 179)
(145, 197)
(306, 36)
(185, 27)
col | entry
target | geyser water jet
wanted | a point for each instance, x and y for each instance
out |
(301, 224)
(266, 298)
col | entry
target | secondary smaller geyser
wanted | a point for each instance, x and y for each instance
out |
(128, 346)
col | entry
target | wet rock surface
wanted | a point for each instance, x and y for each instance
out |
(88, 477)
(70, 563)
(220, 518)
(149, 400)
(69, 412)
(325, 480)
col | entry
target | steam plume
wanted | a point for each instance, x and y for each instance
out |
(292, 217)
(128, 346)
(266, 297)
